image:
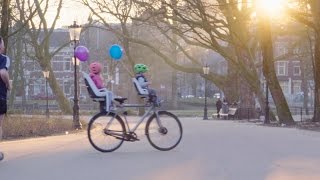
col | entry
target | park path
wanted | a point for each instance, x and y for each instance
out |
(211, 149)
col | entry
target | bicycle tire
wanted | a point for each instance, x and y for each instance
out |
(165, 118)
(98, 128)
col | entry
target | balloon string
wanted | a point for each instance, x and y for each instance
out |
(126, 69)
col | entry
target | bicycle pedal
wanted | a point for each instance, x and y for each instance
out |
(121, 138)
(134, 139)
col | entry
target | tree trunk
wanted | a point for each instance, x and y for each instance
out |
(5, 18)
(304, 86)
(316, 117)
(174, 94)
(63, 102)
(17, 69)
(281, 104)
(232, 85)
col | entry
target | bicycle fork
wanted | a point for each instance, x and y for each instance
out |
(161, 129)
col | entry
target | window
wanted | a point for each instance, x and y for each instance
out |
(67, 66)
(282, 68)
(36, 89)
(296, 70)
(296, 86)
(66, 87)
(58, 58)
(284, 86)
(280, 49)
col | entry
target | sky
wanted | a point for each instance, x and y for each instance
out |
(71, 11)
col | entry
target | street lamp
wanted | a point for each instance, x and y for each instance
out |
(205, 72)
(74, 31)
(266, 117)
(46, 76)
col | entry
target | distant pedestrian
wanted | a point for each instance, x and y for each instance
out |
(225, 107)
(218, 106)
(4, 85)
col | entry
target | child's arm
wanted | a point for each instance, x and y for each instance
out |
(142, 82)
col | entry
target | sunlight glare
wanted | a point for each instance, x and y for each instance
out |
(271, 7)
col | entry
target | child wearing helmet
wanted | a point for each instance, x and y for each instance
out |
(140, 69)
(95, 75)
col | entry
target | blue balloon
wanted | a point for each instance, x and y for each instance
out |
(115, 52)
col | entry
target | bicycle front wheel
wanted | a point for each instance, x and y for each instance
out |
(164, 133)
(106, 132)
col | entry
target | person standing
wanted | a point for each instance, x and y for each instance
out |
(4, 85)
(218, 106)
(225, 106)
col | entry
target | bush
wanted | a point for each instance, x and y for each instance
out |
(22, 127)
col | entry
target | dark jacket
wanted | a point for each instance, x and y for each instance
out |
(219, 104)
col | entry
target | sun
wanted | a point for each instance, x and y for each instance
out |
(271, 7)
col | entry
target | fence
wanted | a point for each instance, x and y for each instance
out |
(298, 113)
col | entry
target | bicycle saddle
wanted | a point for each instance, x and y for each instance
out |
(120, 100)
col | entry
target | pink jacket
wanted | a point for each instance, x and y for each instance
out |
(98, 80)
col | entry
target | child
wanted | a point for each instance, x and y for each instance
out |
(95, 70)
(140, 69)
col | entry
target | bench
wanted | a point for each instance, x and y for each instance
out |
(231, 113)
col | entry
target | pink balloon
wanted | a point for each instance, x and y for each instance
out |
(82, 53)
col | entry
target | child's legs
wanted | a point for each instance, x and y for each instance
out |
(152, 94)
(109, 98)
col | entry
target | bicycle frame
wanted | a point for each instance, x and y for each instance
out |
(151, 109)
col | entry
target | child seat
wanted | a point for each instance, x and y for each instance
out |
(103, 96)
(141, 92)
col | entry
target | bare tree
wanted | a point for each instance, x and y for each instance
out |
(308, 13)
(38, 38)
(219, 26)
(5, 20)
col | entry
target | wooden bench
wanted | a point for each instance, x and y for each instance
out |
(231, 113)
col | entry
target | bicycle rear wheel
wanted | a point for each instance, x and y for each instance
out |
(166, 133)
(106, 132)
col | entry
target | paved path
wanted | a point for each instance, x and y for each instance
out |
(210, 150)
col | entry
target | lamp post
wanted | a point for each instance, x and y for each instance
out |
(74, 31)
(46, 76)
(205, 72)
(266, 117)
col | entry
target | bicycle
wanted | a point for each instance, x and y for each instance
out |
(112, 126)
(113, 130)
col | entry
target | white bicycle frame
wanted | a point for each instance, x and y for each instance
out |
(151, 108)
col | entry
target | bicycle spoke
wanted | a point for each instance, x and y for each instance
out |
(168, 135)
(104, 135)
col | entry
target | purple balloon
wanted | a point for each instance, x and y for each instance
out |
(82, 53)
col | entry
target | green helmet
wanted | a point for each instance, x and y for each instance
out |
(140, 68)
